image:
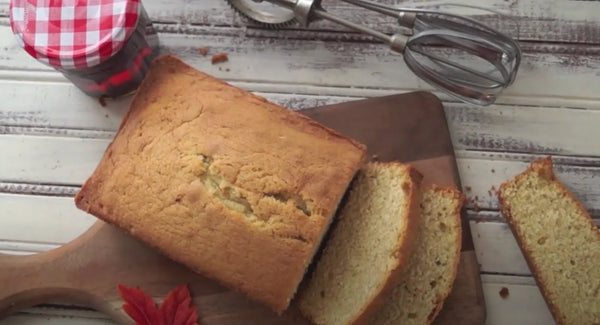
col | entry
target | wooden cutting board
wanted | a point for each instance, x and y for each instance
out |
(408, 127)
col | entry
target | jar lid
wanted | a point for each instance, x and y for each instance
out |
(73, 34)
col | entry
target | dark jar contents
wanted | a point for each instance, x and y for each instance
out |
(125, 70)
(110, 68)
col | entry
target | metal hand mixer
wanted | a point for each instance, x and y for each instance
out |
(453, 53)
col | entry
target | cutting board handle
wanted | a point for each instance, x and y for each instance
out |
(30, 280)
(63, 273)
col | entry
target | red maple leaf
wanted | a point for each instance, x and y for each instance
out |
(176, 309)
(140, 306)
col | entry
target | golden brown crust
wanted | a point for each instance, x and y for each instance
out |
(460, 197)
(239, 189)
(405, 246)
(544, 168)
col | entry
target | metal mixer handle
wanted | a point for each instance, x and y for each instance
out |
(304, 10)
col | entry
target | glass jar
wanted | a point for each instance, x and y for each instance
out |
(104, 47)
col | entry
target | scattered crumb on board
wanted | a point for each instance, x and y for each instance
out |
(203, 51)
(468, 188)
(504, 292)
(219, 58)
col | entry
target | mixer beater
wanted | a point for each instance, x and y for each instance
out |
(456, 54)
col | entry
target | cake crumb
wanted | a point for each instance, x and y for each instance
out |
(219, 58)
(493, 170)
(203, 51)
(468, 188)
(102, 100)
(375, 157)
(504, 292)
(473, 202)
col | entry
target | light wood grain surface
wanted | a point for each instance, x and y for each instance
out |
(52, 136)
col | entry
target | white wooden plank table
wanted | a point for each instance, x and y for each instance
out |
(52, 136)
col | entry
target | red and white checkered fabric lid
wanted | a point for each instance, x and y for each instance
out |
(73, 34)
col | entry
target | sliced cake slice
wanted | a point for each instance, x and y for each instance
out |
(560, 242)
(433, 265)
(368, 247)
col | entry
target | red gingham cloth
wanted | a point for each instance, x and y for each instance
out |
(73, 34)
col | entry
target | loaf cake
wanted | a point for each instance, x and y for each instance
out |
(368, 247)
(239, 189)
(433, 264)
(559, 240)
